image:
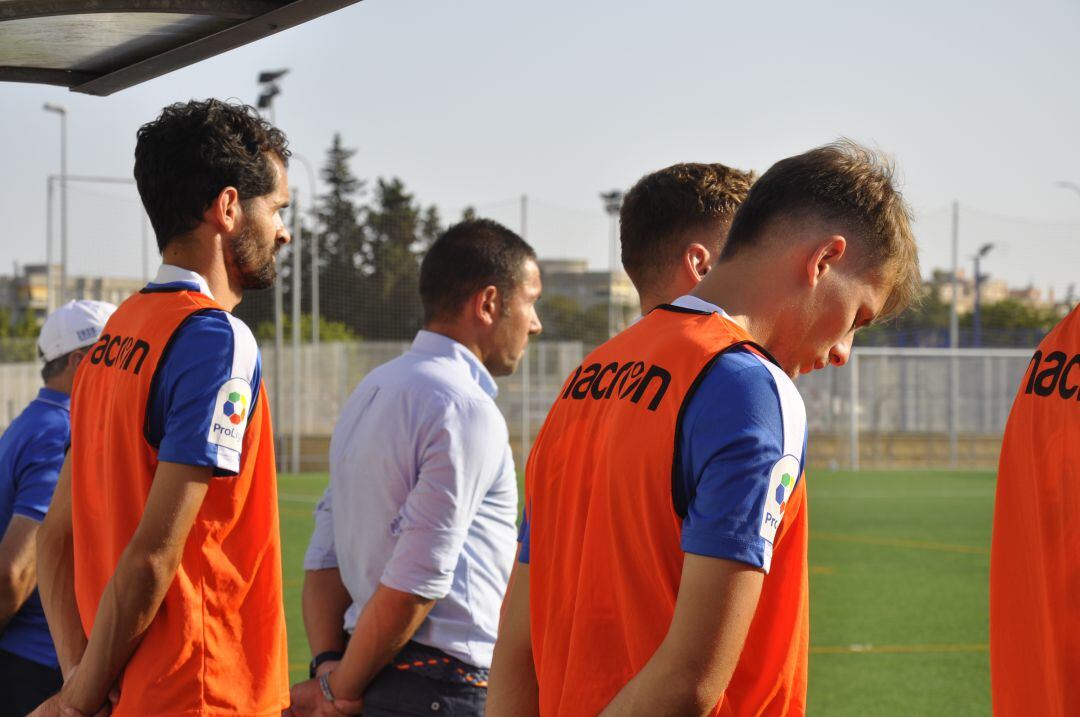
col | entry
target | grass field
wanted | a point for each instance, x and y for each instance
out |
(898, 577)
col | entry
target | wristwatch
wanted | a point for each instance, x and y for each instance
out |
(321, 658)
(324, 685)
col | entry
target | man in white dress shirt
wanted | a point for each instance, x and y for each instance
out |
(415, 537)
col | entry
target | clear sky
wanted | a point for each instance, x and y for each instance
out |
(481, 101)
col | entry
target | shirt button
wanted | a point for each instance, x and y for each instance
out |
(435, 706)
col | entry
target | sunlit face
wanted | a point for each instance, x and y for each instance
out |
(262, 233)
(820, 329)
(515, 323)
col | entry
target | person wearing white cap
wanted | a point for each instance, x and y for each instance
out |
(31, 452)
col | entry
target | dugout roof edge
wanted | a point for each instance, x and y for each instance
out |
(98, 47)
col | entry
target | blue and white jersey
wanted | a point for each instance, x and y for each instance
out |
(206, 385)
(32, 452)
(741, 451)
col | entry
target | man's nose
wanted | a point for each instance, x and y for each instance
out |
(840, 353)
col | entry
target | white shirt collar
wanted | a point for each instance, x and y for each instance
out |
(695, 304)
(169, 274)
(434, 344)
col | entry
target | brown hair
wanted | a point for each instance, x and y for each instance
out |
(663, 206)
(851, 185)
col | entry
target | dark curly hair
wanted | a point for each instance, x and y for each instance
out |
(660, 210)
(195, 149)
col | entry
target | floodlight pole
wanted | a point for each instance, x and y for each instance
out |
(297, 277)
(269, 90)
(954, 341)
(526, 428)
(976, 321)
(62, 111)
(612, 204)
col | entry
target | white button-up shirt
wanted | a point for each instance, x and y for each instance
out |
(423, 495)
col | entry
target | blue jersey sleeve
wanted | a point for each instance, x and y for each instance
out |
(38, 470)
(741, 447)
(523, 537)
(205, 392)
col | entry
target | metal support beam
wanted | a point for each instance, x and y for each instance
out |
(291, 15)
(233, 9)
(44, 76)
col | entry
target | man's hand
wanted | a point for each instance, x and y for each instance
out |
(55, 707)
(308, 701)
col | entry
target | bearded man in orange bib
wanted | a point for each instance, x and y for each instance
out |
(160, 562)
(663, 566)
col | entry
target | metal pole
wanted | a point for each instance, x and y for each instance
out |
(854, 427)
(279, 351)
(314, 253)
(954, 341)
(145, 239)
(525, 392)
(50, 289)
(613, 239)
(296, 291)
(976, 319)
(63, 207)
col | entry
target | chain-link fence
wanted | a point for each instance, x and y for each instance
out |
(913, 408)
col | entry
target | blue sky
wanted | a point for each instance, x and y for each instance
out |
(478, 102)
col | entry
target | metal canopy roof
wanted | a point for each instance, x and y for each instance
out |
(101, 46)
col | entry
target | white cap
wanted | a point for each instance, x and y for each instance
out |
(74, 325)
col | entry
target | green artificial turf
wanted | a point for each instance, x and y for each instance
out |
(898, 583)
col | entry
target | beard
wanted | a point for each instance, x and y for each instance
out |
(254, 262)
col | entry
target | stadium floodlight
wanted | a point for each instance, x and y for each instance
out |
(267, 97)
(271, 75)
(62, 111)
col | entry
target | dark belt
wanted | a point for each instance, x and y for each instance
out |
(435, 664)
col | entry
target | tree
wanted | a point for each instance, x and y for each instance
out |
(340, 233)
(564, 320)
(397, 231)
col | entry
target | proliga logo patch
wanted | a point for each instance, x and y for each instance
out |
(235, 407)
(782, 480)
(230, 414)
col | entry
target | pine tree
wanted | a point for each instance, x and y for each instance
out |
(340, 233)
(398, 231)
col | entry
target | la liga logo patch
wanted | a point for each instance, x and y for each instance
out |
(782, 480)
(231, 411)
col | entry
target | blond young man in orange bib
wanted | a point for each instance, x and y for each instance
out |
(663, 565)
(160, 561)
(1035, 552)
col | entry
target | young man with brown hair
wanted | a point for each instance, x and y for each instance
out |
(160, 560)
(673, 224)
(662, 567)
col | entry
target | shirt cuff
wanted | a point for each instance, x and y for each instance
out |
(27, 512)
(755, 553)
(423, 563)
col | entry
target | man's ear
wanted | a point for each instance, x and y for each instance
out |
(74, 358)
(225, 212)
(697, 260)
(822, 259)
(485, 305)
